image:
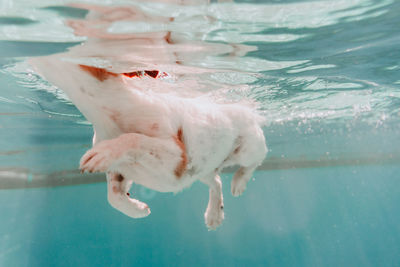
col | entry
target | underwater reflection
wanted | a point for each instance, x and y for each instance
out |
(150, 48)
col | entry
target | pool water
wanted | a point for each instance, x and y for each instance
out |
(326, 75)
(339, 216)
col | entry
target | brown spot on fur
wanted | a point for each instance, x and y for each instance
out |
(115, 189)
(178, 61)
(102, 74)
(132, 74)
(99, 73)
(152, 73)
(167, 38)
(119, 177)
(138, 74)
(180, 169)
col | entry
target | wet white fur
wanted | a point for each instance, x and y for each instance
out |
(135, 136)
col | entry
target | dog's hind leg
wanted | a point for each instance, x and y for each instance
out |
(249, 155)
(214, 214)
(240, 179)
(119, 197)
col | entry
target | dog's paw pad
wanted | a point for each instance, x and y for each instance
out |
(214, 218)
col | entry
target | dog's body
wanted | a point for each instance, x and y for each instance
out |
(159, 140)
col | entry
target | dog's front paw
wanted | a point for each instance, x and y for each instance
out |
(99, 158)
(214, 217)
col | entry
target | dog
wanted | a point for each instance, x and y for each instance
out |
(153, 137)
(162, 141)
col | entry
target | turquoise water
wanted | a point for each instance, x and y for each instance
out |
(341, 216)
(326, 76)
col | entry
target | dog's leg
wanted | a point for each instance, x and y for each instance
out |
(102, 157)
(107, 154)
(118, 197)
(249, 155)
(240, 179)
(132, 154)
(135, 151)
(214, 214)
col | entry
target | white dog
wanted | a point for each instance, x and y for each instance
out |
(158, 140)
